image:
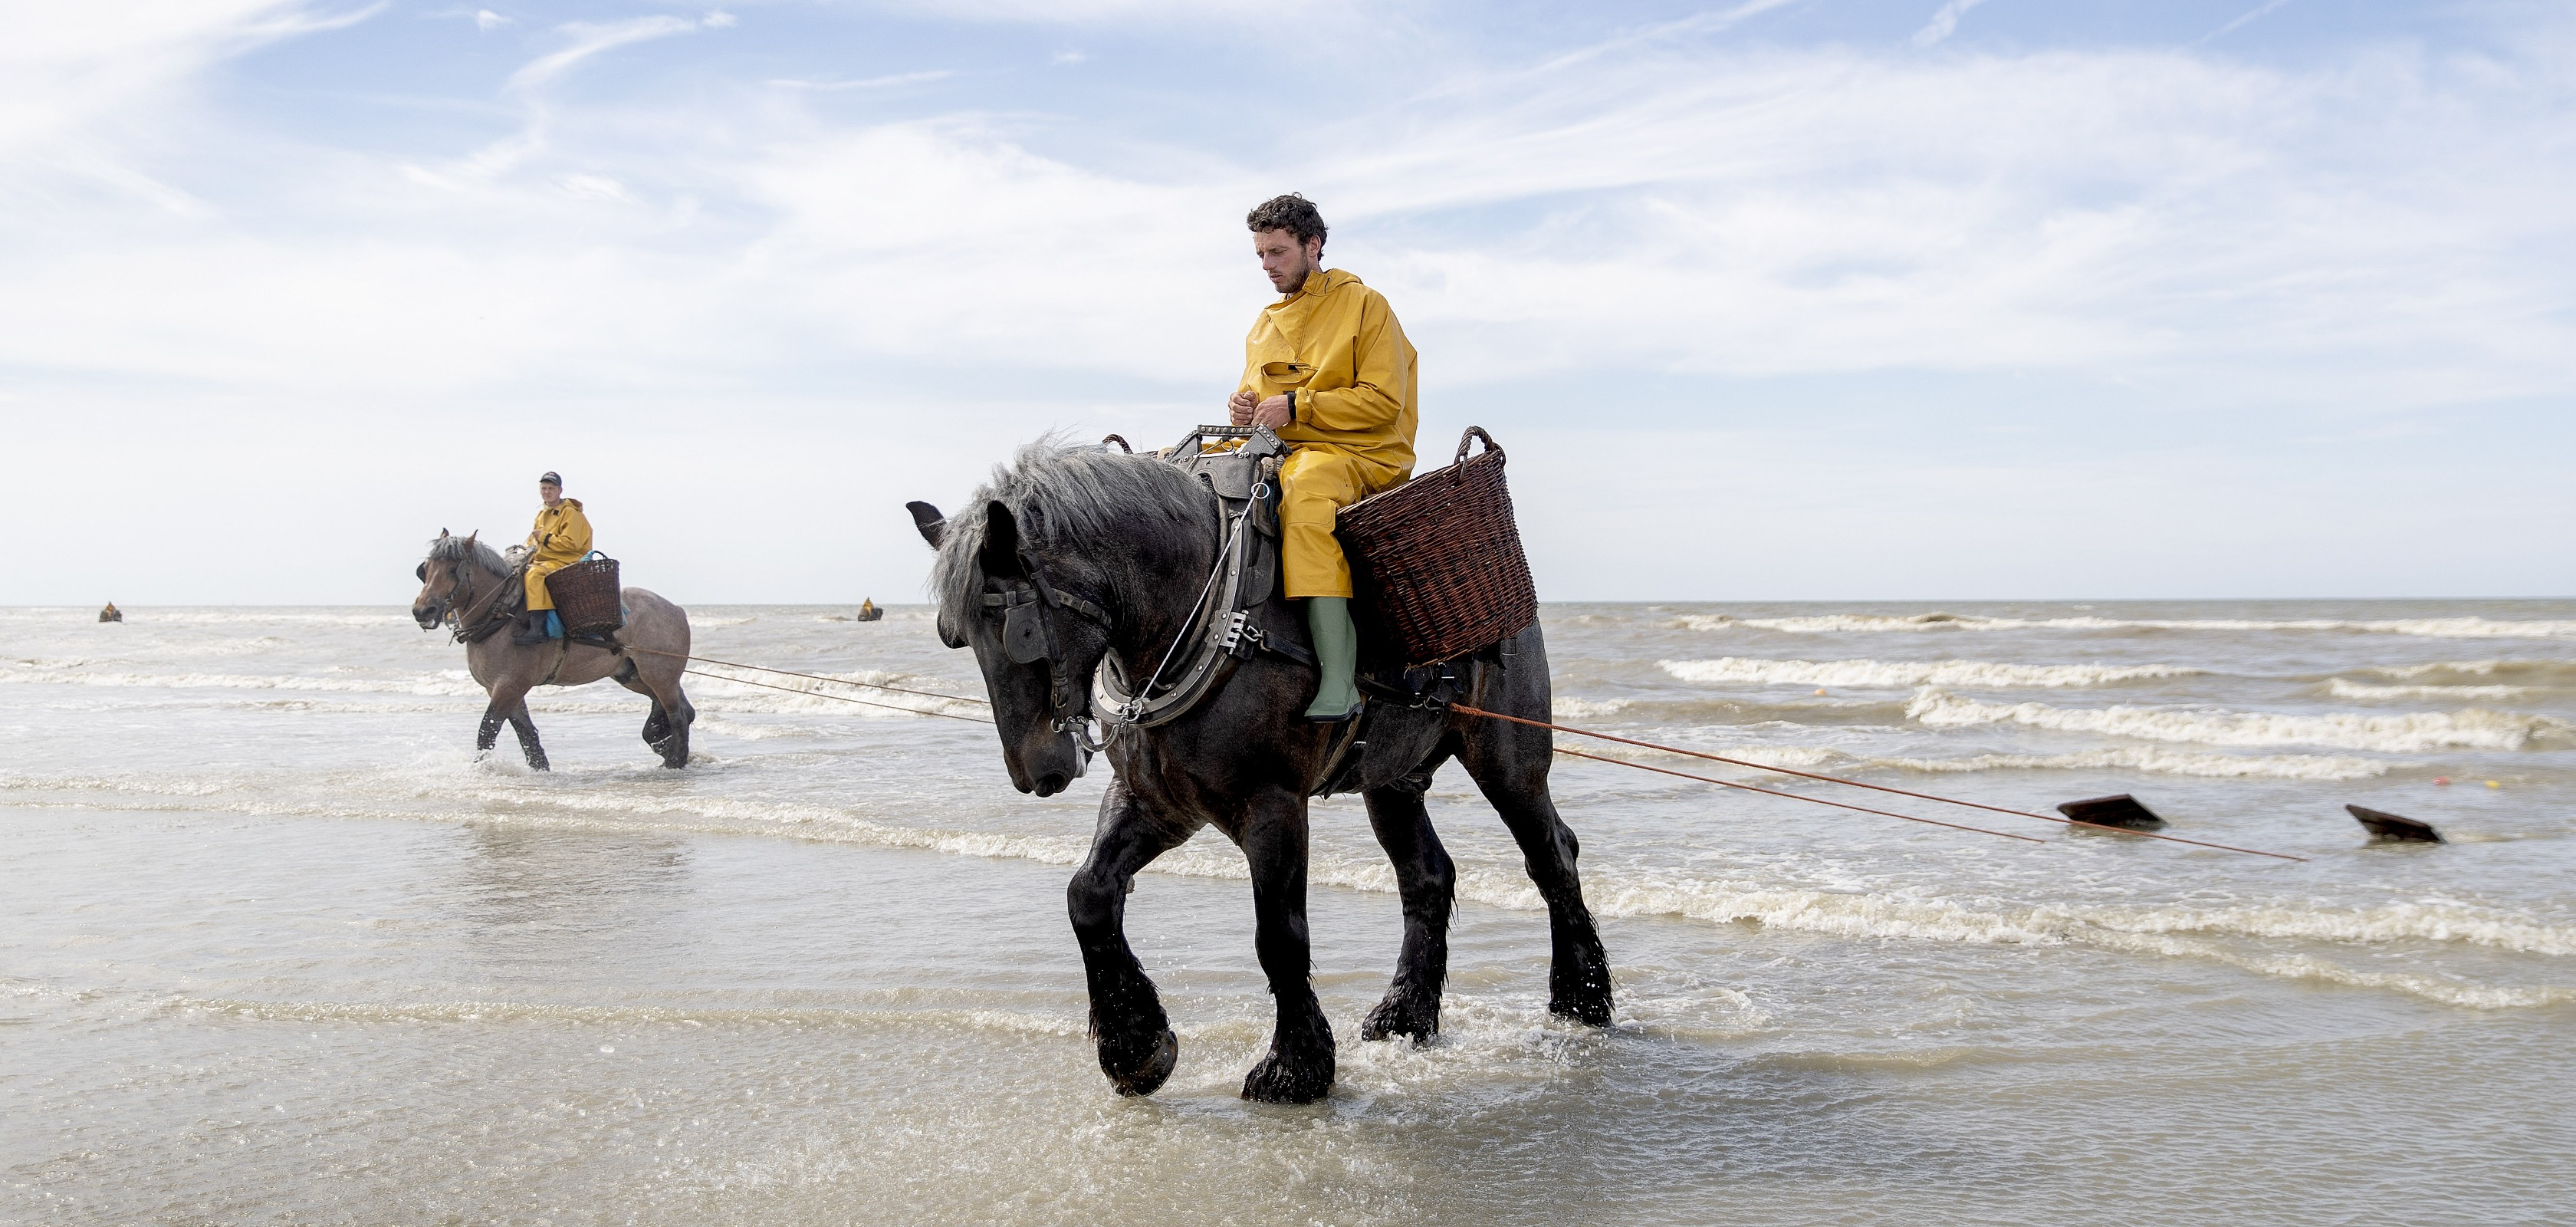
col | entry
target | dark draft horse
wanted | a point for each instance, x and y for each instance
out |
(1123, 542)
(466, 584)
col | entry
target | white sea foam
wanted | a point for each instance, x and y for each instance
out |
(2438, 628)
(2342, 689)
(1897, 674)
(2159, 762)
(431, 1012)
(2469, 728)
(1880, 915)
(2528, 672)
(141, 619)
(2432, 921)
(442, 682)
(2150, 759)
(1870, 913)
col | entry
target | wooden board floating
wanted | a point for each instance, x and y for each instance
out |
(2387, 828)
(2118, 810)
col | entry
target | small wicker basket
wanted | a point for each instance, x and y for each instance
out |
(1439, 558)
(587, 596)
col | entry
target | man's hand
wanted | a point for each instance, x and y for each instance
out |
(1274, 413)
(1239, 408)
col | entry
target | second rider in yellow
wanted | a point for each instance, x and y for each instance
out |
(1328, 369)
(561, 537)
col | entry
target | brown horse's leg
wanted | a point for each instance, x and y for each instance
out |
(526, 728)
(506, 697)
(1137, 1047)
(1299, 1066)
(1426, 879)
(667, 728)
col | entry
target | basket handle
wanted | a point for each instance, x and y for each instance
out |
(1472, 432)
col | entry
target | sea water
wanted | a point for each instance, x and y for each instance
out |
(276, 944)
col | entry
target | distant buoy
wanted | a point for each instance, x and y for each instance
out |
(2441, 779)
(1820, 692)
(2493, 784)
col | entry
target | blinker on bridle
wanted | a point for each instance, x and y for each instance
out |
(1028, 637)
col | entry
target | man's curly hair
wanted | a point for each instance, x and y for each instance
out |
(1292, 213)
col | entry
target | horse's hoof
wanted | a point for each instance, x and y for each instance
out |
(1589, 1010)
(1149, 1075)
(1397, 1016)
(1276, 1080)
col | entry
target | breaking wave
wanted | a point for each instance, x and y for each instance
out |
(2469, 728)
(2159, 762)
(2343, 689)
(2480, 672)
(2438, 628)
(1896, 674)
(2150, 759)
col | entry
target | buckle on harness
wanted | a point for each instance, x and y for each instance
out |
(1241, 638)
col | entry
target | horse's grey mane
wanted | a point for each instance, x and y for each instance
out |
(450, 549)
(1062, 497)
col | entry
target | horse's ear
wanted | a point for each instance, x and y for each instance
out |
(442, 534)
(1001, 555)
(469, 537)
(933, 526)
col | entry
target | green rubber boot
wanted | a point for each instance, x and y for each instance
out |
(1337, 656)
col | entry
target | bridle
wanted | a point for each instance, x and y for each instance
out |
(460, 579)
(1028, 637)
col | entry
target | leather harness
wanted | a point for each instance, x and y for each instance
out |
(1220, 631)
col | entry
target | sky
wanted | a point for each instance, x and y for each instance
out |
(1899, 300)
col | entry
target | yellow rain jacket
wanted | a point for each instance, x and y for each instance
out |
(561, 537)
(1337, 350)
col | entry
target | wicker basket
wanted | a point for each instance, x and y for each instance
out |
(1440, 558)
(587, 596)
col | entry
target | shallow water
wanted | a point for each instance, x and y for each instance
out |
(278, 948)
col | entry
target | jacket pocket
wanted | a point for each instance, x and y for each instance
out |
(1288, 374)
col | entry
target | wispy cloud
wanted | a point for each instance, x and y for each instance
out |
(885, 82)
(1945, 22)
(2247, 17)
(589, 40)
(1712, 22)
(2342, 235)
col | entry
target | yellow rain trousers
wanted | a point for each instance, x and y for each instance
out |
(1336, 348)
(561, 537)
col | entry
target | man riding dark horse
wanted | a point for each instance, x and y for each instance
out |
(561, 537)
(1328, 370)
(1141, 593)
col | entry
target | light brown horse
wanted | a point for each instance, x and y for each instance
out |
(466, 585)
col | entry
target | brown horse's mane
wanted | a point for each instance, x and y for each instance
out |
(468, 548)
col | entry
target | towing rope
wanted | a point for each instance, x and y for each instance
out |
(744, 681)
(1464, 709)
(1770, 792)
(1835, 779)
